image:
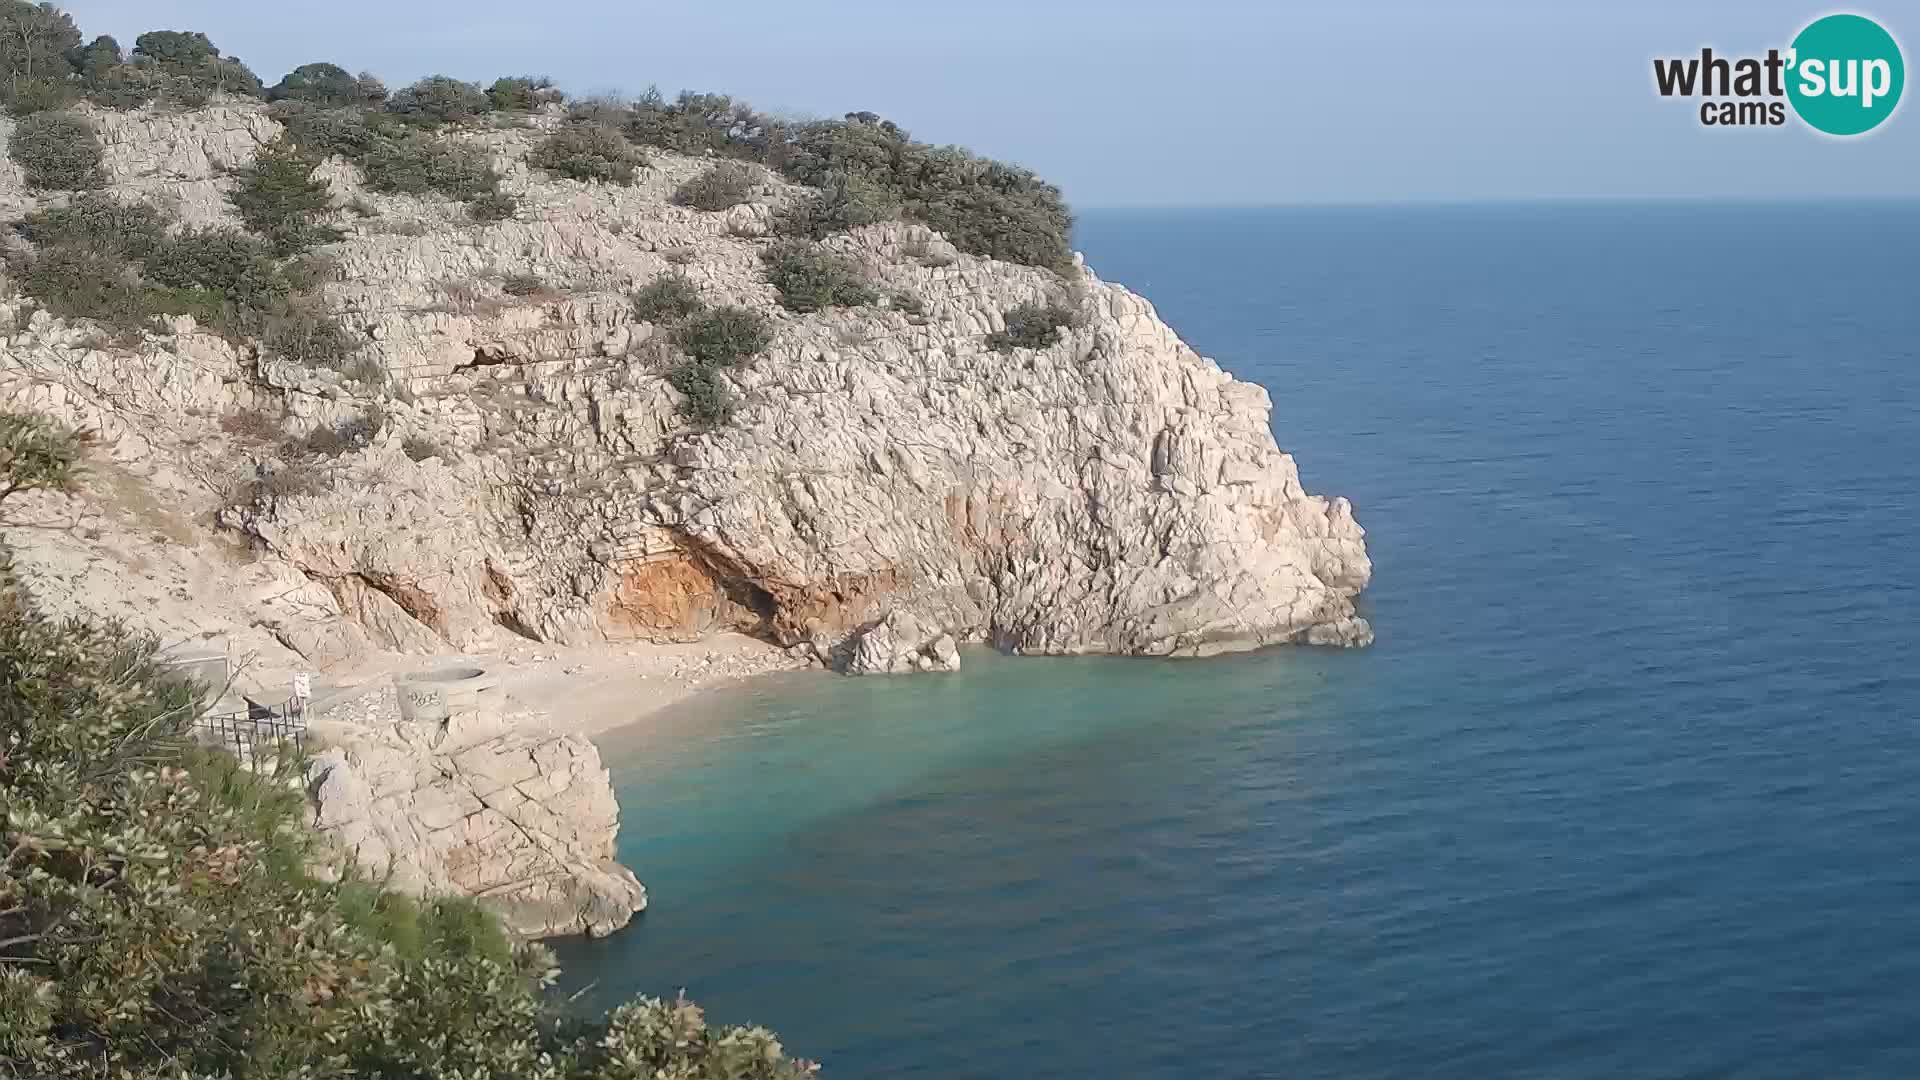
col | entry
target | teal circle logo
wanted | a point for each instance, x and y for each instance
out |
(1845, 74)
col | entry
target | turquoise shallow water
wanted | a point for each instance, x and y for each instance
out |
(1625, 788)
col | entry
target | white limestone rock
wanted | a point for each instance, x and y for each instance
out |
(524, 821)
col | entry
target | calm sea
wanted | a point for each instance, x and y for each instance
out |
(1630, 785)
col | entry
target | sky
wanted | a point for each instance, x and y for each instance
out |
(1138, 103)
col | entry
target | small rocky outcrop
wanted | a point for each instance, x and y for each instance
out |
(900, 645)
(472, 802)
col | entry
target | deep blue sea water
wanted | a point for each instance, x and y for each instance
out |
(1629, 786)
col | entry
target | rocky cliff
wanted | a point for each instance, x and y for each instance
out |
(510, 460)
(1112, 492)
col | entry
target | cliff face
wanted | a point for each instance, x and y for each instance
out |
(1114, 492)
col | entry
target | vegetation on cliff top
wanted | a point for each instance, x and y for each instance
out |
(158, 916)
(867, 168)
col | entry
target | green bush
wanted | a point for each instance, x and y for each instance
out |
(704, 399)
(724, 336)
(520, 93)
(700, 124)
(86, 283)
(327, 85)
(278, 198)
(1030, 326)
(587, 152)
(810, 279)
(438, 100)
(350, 133)
(99, 222)
(720, 187)
(96, 59)
(419, 164)
(302, 330)
(714, 341)
(37, 454)
(193, 67)
(220, 260)
(668, 298)
(492, 206)
(984, 207)
(846, 202)
(57, 150)
(28, 96)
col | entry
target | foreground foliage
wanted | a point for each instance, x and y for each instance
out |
(157, 918)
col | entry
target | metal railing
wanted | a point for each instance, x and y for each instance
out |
(260, 735)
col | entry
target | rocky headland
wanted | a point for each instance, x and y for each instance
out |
(513, 461)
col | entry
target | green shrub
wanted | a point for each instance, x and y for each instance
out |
(1030, 326)
(419, 163)
(220, 260)
(302, 330)
(181, 50)
(86, 283)
(278, 198)
(28, 96)
(705, 399)
(37, 454)
(846, 202)
(327, 85)
(492, 206)
(96, 59)
(984, 207)
(724, 336)
(699, 124)
(99, 222)
(520, 93)
(350, 133)
(193, 68)
(57, 150)
(810, 279)
(438, 100)
(668, 298)
(587, 152)
(714, 341)
(720, 187)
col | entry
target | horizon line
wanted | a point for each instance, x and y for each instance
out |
(1521, 200)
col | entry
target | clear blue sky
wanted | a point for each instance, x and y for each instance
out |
(1131, 102)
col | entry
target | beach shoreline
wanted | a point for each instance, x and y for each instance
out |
(588, 690)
